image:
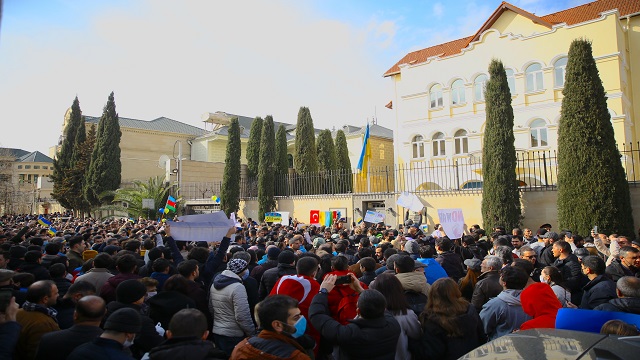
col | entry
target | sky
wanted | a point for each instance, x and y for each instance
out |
(181, 59)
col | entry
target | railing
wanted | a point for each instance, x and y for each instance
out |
(535, 171)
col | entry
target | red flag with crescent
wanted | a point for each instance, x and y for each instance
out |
(314, 217)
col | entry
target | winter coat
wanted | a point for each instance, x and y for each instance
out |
(435, 344)
(38, 271)
(100, 349)
(165, 304)
(563, 295)
(161, 278)
(75, 260)
(414, 281)
(147, 338)
(34, 325)
(628, 305)
(199, 296)
(546, 257)
(63, 285)
(229, 306)
(186, 348)
(452, 264)
(259, 270)
(108, 290)
(410, 329)
(58, 344)
(487, 287)
(9, 333)
(598, 291)
(96, 276)
(572, 276)
(616, 270)
(540, 302)
(503, 314)
(269, 345)
(271, 276)
(368, 276)
(370, 339)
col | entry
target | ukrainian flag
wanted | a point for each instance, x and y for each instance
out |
(47, 224)
(365, 154)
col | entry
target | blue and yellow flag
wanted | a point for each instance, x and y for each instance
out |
(366, 152)
(47, 224)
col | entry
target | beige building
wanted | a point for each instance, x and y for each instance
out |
(25, 185)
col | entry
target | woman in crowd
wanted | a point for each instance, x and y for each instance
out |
(551, 275)
(468, 283)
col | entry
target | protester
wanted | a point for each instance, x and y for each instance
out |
(540, 302)
(37, 317)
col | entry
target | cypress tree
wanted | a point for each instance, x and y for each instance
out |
(266, 170)
(62, 165)
(76, 169)
(105, 169)
(500, 196)
(230, 191)
(306, 158)
(282, 163)
(592, 189)
(253, 147)
(82, 154)
(327, 160)
(344, 163)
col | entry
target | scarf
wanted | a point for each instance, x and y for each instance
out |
(29, 306)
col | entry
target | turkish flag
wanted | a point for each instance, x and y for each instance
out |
(314, 217)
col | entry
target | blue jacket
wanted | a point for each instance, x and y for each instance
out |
(434, 270)
(503, 314)
(598, 291)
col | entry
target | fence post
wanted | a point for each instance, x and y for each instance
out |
(544, 162)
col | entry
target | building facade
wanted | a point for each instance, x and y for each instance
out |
(24, 182)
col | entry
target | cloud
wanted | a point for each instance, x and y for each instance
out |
(438, 10)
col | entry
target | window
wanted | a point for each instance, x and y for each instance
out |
(538, 133)
(438, 144)
(534, 77)
(44, 167)
(35, 179)
(19, 166)
(559, 72)
(435, 97)
(418, 147)
(478, 87)
(511, 80)
(36, 166)
(457, 92)
(27, 166)
(461, 142)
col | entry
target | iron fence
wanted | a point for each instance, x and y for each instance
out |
(535, 171)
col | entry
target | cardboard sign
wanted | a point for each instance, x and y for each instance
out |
(452, 221)
(273, 217)
(374, 217)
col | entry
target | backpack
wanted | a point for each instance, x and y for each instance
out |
(417, 301)
(347, 305)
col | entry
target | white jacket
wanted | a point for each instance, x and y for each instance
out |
(229, 306)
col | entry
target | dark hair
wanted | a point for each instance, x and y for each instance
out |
(38, 290)
(365, 252)
(25, 279)
(468, 239)
(52, 248)
(342, 245)
(126, 263)
(372, 304)
(199, 254)
(186, 268)
(619, 327)
(340, 263)
(160, 265)
(369, 264)
(554, 274)
(426, 251)
(404, 264)
(594, 263)
(525, 265)
(102, 261)
(57, 270)
(177, 283)
(502, 241)
(306, 266)
(445, 303)
(389, 285)
(514, 277)
(444, 243)
(188, 323)
(566, 248)
(274, 307)
(75, 240)
(38, 241)
(132, 245)
(389, 252)
(81, 287)
(155, 253)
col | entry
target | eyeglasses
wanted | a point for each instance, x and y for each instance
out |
(530, 257)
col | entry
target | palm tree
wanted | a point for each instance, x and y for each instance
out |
(154, 188)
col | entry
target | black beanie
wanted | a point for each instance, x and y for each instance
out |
(124, 320)
(130, 291)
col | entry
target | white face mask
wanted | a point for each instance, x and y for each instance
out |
(128, 343)
(542, 280)
(151, 294)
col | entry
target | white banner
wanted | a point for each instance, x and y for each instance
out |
(373, 217)
(452, 221)
(205, 227)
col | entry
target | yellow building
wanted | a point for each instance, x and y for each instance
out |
(24, 184)
(439, 91)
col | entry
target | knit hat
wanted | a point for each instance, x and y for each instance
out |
(130, 291)
(89, 254)
(237, 266)
(6, 275)
(273, 253)
(17, 251)
(125, 320)
(317, 242)
(286, 257)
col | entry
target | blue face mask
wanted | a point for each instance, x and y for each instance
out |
(335, 253)
(246, 275)
(301, 326)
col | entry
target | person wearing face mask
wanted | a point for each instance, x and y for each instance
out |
(119, 333)
(552, 276)
(282, 331)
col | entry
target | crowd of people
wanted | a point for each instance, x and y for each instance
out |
(126, 289)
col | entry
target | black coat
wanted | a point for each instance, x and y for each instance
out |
(100, 349)
(147, 338)
(370, 339)
(487, 287)
(58, 345)
(616, 270)
(572, 275)
(546, 256)
(435, 344)
(186, 349)
(627, 305)
(271, 276)
(452, 264)
(38, 271)
(165, 304)
(598, 291)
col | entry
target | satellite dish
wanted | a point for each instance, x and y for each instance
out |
(162, 162)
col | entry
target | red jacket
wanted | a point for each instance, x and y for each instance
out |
(336, 295)
(541, 303)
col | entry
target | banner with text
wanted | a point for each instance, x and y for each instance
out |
(452, 221)
(374, 217)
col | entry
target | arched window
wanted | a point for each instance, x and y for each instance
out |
(435, 97)
(534, 77)
(538, 131)
(417, 144)
(438, 144)
(478, 87)
(461, 142)
(511, 80)
(457, 92)
(559, 69)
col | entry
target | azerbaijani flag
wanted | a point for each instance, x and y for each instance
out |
(171, 203)
(366, 152)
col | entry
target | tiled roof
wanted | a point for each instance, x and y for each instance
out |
(35, 156)
(570, 16)
(15, 153)
(161, 124)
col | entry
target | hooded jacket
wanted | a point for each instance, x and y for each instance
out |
(414, 281)
(540, 302)
(503, 314)
(229, 306)
(628, 305)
